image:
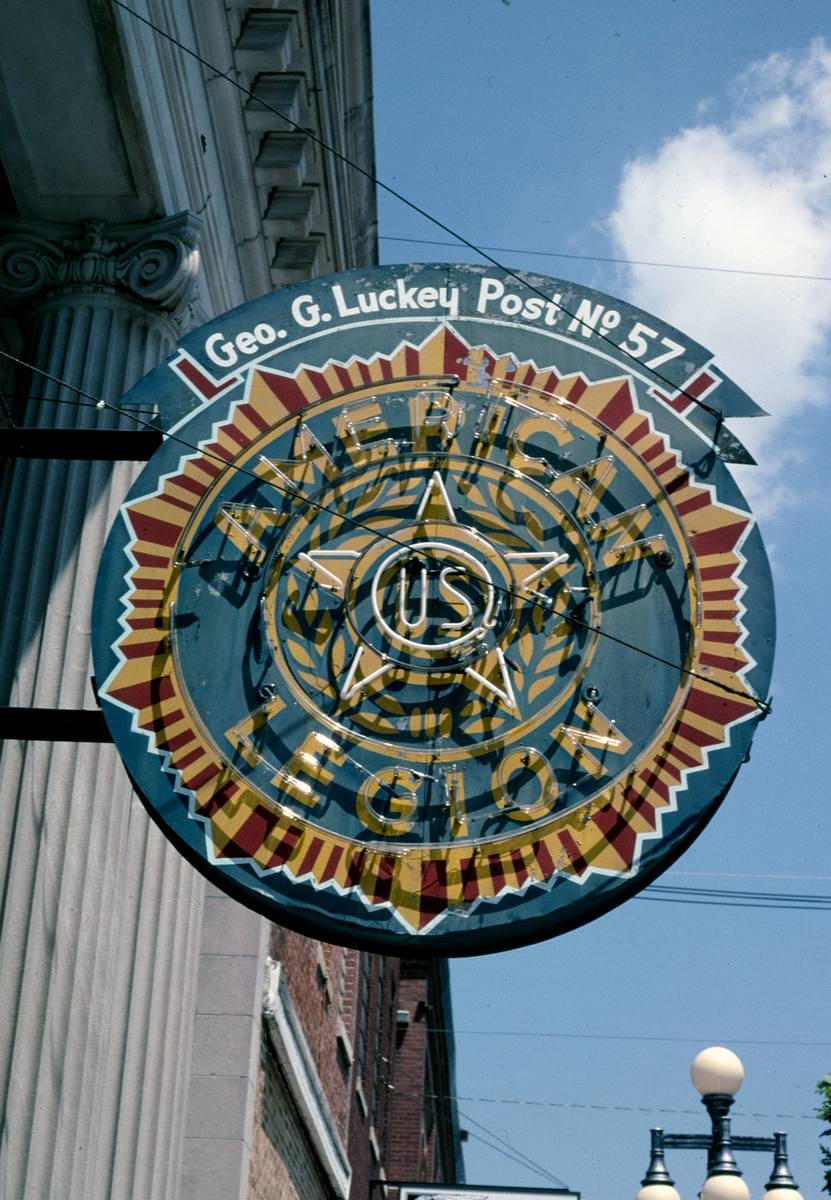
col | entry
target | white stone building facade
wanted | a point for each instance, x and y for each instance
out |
(141, 192)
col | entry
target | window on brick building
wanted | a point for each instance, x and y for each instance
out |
(377, 1064)
(429, 1102)
(363, 1016)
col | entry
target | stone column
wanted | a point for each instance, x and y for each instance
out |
(101, 918)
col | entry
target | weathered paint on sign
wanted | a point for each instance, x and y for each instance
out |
(438, 626)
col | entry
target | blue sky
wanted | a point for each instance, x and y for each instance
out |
(683, 132)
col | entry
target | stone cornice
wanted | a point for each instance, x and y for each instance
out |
(152, 262)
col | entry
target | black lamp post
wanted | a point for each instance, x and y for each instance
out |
(717, 1074)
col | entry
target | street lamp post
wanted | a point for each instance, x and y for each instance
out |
(717, 1074)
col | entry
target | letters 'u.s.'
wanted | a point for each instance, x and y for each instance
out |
(440, 626)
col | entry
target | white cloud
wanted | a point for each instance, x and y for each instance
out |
(752, 191)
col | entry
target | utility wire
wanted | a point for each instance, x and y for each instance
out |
(506, 1149)
(626, 262)
(483, 252)
(411, 204)
(764, 706)
(742, 875)
(519, 1159)
(623, 1037)
(740, 893)
(736, 904)
(460, 240)
(639, 1108)
(493, 1141)
(512, 1151)
(97, 402)
(573, 1105)
(499, 1144)
(730, 897)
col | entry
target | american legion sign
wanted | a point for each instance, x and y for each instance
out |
(437, 624)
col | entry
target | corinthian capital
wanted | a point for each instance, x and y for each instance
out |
(154, 262)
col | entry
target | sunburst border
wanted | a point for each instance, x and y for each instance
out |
(421, 886)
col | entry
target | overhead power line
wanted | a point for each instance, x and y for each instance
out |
(493, 1140)
(626, 262)
(734, 903)
(502, 1146)
(639, 1108)
(91, 401)
(459, 239)
(575, 1035)
(735, 898)
(743, 875)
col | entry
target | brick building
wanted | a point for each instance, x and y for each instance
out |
(356, 1079)
(354, 1076)
(424, 1140)
(141, 193)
